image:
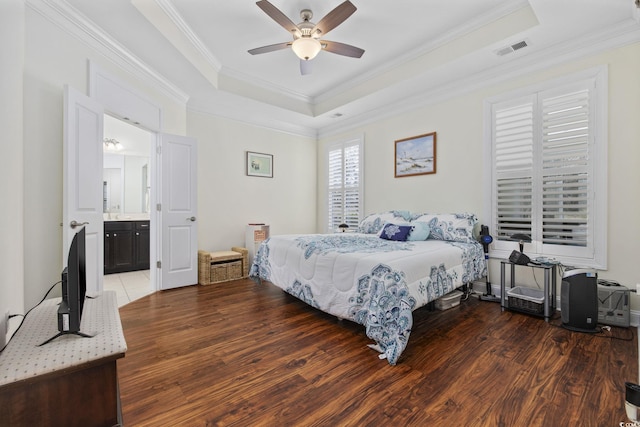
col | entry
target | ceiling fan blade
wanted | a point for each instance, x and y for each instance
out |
(270, 48)
(334, 18)
(282, 19)
(305, 67)
(341, 49)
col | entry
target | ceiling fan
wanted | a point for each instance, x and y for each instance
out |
(306, 42)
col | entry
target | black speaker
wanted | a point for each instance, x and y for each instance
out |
(579, 300)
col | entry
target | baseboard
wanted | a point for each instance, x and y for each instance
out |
(634, 318)
(481, 288)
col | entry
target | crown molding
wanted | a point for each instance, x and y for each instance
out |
(607, 39)
(480, 21)
(63, 15)
(169, 9)
(617, 36)
(262, 84)
(70, 20)
(239, 115)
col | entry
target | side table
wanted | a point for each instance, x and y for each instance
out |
(549, 303)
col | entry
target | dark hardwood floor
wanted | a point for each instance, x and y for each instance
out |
(242, 354)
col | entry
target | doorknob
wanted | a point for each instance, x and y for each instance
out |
(74, 223)
(192, 219)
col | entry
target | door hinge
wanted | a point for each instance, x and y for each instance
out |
(159, 207)
(159, 264)
(159, 150)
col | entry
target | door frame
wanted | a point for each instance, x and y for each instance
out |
(124, 102)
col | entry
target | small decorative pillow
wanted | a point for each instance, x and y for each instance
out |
(395, 232)
(419, 231)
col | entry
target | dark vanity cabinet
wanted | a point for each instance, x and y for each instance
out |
(126, 246)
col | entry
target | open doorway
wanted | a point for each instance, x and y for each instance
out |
(126, 201)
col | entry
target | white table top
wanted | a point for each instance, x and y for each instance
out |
(23, 358)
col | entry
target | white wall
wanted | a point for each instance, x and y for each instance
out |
(292, 201)
(457, 185)
(228, 199)
(12, 165)
(53, 58)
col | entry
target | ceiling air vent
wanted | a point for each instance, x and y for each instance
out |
(512, 48)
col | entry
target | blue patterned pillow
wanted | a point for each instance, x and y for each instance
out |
(454, 227)
(395, 232)
(419, 231)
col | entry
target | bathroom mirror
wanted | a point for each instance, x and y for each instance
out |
(125, 184)
(126, 174)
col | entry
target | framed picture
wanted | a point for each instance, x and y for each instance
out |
(259, 164)
(415, 155)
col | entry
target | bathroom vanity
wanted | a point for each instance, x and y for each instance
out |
(126, 246)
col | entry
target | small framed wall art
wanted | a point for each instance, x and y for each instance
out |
(415, 155)
(259, 164)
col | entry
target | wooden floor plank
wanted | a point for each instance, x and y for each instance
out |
(239, 354)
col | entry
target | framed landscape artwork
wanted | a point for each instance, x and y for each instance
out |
(259, 164)
(415, 155)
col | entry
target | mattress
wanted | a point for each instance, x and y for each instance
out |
(371, 281)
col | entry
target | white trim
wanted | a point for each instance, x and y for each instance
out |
(77, 25)
(122, 100)
(341, 144)
(129, 102)
(475, 24)
(599, 74)
(169, 9)
(268, 86)
(531, 64)
(480, 288)
(71, 21)
(261, 122)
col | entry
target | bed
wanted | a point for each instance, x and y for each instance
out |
(395, 263)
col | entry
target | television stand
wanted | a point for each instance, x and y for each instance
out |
(59, 334)
(68, 382)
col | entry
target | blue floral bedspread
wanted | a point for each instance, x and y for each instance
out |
(374, 282)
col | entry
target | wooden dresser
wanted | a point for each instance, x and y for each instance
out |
(71, 381)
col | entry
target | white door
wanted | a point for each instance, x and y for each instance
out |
(82, 181)
(178, 211)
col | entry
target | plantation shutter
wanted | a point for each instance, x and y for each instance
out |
(542, 168)
(352, 186)
(335, 188)
(566, 187)
(345, 185)
(513, 166)
(548, 169)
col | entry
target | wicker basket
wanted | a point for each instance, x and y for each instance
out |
(219, 273)
(526, 299)
(234, 270)
(222, 266)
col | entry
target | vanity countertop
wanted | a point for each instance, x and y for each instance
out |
(127, 218)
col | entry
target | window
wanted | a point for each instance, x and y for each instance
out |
(344, 191)
(548, 169)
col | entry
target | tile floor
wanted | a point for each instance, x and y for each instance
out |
(128, 286)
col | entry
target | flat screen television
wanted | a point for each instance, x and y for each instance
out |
(74, 289)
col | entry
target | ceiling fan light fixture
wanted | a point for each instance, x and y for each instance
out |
(306, 48)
